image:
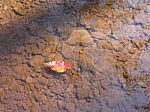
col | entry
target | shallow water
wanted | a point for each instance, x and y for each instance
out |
(106, 42)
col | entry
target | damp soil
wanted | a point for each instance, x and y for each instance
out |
(107, 43)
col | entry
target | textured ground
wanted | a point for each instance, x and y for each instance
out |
(106, 41)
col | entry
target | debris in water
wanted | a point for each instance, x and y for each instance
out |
(59, 66)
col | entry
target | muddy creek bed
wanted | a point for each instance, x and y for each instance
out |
(107, 43)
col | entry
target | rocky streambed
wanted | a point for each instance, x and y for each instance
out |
(107, 43)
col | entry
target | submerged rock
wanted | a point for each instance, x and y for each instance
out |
(36, 62)
(145, 61)
(80, 37)
(99, 35)
(29, 80)
(70, 107)
(67, 51)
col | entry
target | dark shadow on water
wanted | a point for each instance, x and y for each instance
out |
(47, 21)
(50, 19)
